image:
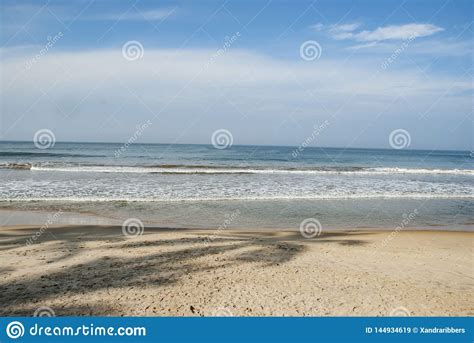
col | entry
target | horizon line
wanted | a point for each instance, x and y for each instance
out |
(243, 145)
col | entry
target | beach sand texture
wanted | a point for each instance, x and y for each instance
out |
(94, 270)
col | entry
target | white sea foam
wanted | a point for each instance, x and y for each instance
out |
(236, 170)
(237, 198)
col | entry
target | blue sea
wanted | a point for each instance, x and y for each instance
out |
(267, 186)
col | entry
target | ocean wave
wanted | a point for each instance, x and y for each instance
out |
(187, 169)
(421, 171)
(21, 166)
(241, 198)
(43, 154)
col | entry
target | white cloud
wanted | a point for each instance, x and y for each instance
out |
(398, 32)
(342, 35)
(336, 29)
(317, 27)
(362, 46)
(233, 68)
(429, 47)
(77, 93)
(151, 15)
(345, 27)
(343, 31)
(392, 32)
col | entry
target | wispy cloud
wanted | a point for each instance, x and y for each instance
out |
(186, 85)
(445, 48)
(398, 32)
(336, 29)
(151, 15)
(317, 27)
(362, 46)
(391, 32)
(344, 27)
(343, 31)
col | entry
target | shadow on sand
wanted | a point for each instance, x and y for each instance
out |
(164, 261)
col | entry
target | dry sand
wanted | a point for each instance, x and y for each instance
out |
(84, 270)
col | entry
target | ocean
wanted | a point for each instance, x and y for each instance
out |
(241, 186)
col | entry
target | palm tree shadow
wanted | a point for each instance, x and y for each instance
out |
(148, 261)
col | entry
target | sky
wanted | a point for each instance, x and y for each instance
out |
(329, 73)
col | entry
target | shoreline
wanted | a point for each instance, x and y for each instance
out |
(250, 229)
(97, 270)
(70, 217)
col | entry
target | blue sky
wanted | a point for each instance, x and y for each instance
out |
(206, 65)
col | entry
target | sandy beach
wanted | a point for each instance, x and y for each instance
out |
(96, 270)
